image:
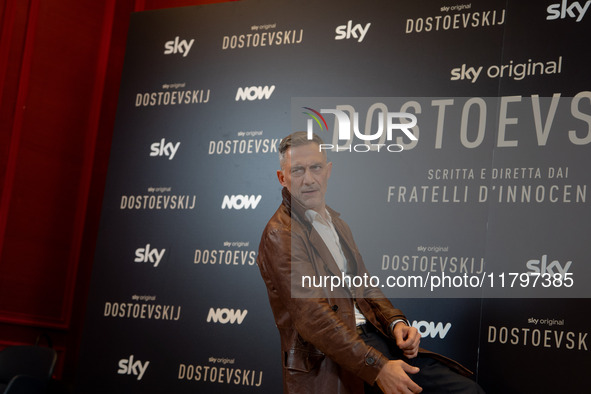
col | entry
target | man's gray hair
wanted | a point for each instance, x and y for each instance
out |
(297, 138)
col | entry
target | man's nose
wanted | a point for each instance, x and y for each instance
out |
(308, 178)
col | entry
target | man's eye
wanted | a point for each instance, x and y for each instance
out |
(316, 168)
(297, 171)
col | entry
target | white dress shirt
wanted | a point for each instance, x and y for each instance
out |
(331, 239)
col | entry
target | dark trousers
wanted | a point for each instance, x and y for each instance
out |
(434, 377)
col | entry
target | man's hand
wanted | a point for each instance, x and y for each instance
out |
(393, 378)
(407, 339)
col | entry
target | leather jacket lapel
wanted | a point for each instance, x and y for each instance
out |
(298, 212)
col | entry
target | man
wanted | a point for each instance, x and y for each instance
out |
(344, 340)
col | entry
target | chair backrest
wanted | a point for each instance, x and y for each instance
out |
(23, 384)
(35, 361)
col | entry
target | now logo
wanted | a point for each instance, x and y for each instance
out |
(225, 315)
(241, 202)
(254, 93)
(430, 329)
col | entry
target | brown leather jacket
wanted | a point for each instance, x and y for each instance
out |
(321, 350)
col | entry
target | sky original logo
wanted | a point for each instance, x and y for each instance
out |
(563, 10)
(149, 254)
(178, 46)
(254, 93)
(241, 202)
(539, 338)
(131, 367)
(469, 73)
(345, 128)
(348, 31)
(225, 315)
(455, 21)
(517, 71)
(164, 148)
(267, 37)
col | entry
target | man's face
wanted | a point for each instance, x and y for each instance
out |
(305, 174)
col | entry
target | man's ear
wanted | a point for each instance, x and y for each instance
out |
(281, 178)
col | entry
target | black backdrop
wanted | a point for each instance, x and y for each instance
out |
(177, 303)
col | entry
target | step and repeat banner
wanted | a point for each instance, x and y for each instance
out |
(460, 136)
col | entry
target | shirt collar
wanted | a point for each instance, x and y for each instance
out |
(296, 207)
(312, 216)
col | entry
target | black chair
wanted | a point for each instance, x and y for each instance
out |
(26, 369)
